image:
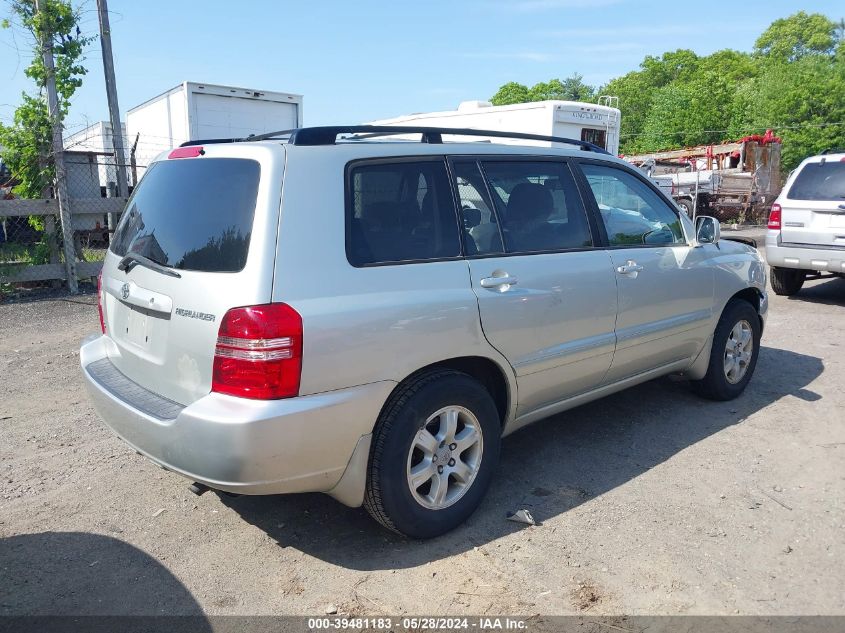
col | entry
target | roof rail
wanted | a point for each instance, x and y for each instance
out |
(213, 141)
(327, 135)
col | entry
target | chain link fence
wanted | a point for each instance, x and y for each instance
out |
(32, 249)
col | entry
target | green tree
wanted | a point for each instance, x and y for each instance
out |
(678, 65)
(572, 88)
(635, 97)
(511, 92)
(637, 89)
(803, 101)
(732, 65)
(801, 34)
(687, 113)
(793, 82)
(800, 89)
(27, 143)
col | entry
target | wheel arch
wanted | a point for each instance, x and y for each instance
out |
(715, 382)
(499, 382)
(485, 370)
(753, 296)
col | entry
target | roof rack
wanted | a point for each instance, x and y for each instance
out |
(328, 135)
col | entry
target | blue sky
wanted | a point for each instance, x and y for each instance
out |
(359, 60)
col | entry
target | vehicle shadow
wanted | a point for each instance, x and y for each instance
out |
(550, 467)
(82, 574)
(829, 292)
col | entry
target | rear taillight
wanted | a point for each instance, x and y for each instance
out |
(100, 302)
(774, 217)
(259, 352)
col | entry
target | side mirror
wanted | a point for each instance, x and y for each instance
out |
(707, 230)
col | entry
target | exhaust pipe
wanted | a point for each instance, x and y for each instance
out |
(197, 488)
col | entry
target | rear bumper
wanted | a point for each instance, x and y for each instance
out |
(237, 445)
(802, 257)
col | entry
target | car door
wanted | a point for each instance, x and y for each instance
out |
(664, 282)
(546, 294)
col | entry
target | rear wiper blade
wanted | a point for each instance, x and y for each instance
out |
(128, 262)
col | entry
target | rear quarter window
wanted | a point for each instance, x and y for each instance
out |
(819, 181)
(192, 214)
(400, 211)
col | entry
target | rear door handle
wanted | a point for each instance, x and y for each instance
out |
(629, 267)
(496, 282)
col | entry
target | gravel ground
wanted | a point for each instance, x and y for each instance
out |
(650, 501)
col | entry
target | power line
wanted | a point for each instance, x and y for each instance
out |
(761, 127)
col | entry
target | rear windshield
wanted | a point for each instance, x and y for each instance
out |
(192, 214)
(819, 181)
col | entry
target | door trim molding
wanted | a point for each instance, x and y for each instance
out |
(663, 327)
(565, 353)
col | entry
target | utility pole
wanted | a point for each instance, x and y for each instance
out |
(46, 43)
(114, 109)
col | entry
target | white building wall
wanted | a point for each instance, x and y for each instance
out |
(98, 138)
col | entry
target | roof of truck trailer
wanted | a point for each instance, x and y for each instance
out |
(469, 108)
(221, 90)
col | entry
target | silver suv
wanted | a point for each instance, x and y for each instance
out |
(320, 310)
(806, 236)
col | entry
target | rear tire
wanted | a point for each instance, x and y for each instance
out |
(425, 479)
(686, 206)
(733, 356)
(786, 281)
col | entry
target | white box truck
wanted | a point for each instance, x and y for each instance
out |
(596, 123)
(193, 111)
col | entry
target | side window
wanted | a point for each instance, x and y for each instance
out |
(481, 228)
(400, 211)
(538, 205)
(632, 213)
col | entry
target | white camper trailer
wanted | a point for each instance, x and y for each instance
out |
(193, 111)
(596, 123)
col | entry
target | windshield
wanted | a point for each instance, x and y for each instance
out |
(192, 214)
(819, 181)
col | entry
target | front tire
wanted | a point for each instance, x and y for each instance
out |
(786, 281)
(435, 448)
(733, 356)
(686, 206)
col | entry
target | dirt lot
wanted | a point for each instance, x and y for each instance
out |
(650, 502)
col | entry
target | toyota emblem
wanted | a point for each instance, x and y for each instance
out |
(124, 292)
